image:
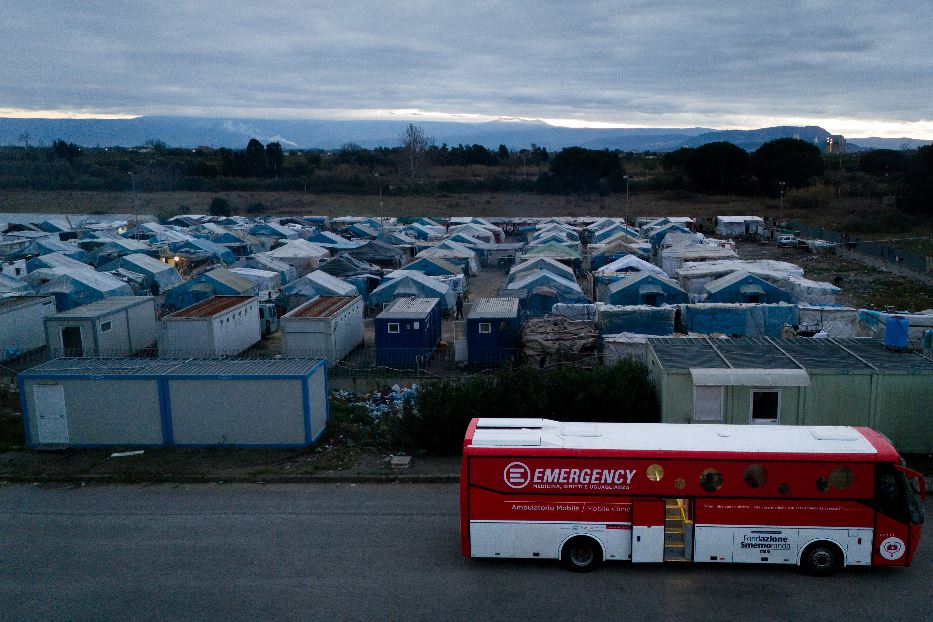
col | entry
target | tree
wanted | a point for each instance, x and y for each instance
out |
(220, 207)
(65, 151)
(676, 160)
(918, 182)
(275, 159)
(882, 162)
(255, 158)
(503, 153)
(787, 159)
(576, 169)
(414, 144)
(718, 167)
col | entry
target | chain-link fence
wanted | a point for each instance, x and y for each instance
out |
(918, 263)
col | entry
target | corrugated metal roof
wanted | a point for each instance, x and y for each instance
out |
(798, 352)
(173, 367)
(104, 306)
(214, 305)
(404, 308)
(322, 306)
(494, 308)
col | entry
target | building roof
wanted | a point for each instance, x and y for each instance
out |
(215, 305)
(494, 308)
(322, 306)
(795, 439)
(409, 308)
(78, 367)
(793, 353)
(13, 303)
(104, 306)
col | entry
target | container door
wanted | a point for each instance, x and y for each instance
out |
(71, 341)
(648, 531)
(51, 418)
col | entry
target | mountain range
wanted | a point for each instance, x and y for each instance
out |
(325, 134)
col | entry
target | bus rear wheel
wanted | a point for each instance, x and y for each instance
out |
(582, 554)
(822, 559)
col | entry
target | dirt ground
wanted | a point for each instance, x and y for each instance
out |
(863, 286)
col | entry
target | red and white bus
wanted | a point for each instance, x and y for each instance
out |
(820, 497)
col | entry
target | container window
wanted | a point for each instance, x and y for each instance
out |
(710, 480)
(416, 325)
(707, 403)
(766, 406)
(485, 328)
(394, 328)
(106, 326)
(841, 478)
(755, 475)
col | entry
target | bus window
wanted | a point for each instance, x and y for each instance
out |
(755, 476)
(889, 494)
(711, 480)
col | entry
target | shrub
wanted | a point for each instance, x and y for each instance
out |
(220, 207)
(443, 409)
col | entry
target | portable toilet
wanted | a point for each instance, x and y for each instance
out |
(493, 327)
(408, 331)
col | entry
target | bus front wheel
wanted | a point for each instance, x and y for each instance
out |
(822, 559)
(582, 554)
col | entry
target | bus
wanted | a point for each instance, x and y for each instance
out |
(821, 497)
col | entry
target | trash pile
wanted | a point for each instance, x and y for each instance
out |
(555, 340)
(377, 403)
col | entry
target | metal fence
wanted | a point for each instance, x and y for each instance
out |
(885, 252)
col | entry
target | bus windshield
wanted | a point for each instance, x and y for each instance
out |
(913, 500)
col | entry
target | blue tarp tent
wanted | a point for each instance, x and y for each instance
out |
(162, 275)
(206, 248)
(540, 290)
(743, 320)
(645, 288)
(83, 286)
(219, 282)
(44, 246)
(744, 287)
(409, 284)
(317, 283)
(641, 320)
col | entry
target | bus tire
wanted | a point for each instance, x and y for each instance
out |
(821, 559)
(581, 554)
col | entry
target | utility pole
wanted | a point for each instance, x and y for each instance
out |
(782, 185)
(625, 215)
(135, 211)
(382, 221)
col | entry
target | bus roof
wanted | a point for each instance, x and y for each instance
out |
(528, 434)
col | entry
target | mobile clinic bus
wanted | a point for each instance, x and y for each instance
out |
(821, 497)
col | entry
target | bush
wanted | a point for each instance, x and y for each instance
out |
(438, 419)
(220, 207)
(815, 197)
(256, 208)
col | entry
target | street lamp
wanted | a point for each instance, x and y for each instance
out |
(135, 212)
(382, 221)
(782, 185)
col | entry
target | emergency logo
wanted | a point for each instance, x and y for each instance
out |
(892, 548)
(517, 475)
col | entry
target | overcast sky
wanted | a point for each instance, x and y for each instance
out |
(856, 67)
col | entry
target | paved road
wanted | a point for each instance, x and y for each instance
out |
(365, 552)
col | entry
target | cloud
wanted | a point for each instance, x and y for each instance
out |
(629, 63)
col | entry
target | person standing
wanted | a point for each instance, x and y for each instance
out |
(459, 315)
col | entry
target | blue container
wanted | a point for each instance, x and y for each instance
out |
(895, 331)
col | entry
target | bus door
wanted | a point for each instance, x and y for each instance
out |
(897, 519)
(678, 530)
(648, 531)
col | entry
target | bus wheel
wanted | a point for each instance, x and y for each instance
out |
(582, 554)
(822, 559)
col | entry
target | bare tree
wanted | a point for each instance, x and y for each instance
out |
(414, 145)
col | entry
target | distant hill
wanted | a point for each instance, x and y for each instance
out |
(316, 134)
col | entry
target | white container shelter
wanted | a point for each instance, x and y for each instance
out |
(111, 327)
(22, 325)
(328, 327)
(218, 326)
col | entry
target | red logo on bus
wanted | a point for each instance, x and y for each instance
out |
(517, 475)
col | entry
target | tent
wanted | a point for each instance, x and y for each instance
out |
(409, 284)
(693, 275)
(83, 286)
(553, 250)
(264, 261)
(541, 263)
(301, 254)
(744, 287)
(47, 245)
(54, 260)
(344, 265)
(738, 225)
(264, 280)
(199, 247)
(378, 253)
(434, 266)
(317, 283)
(645, 288)
(10, 285)
(541, 290)
(162, 275)
(743, 320)
(218, 282)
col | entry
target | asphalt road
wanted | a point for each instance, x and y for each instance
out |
(366, 552)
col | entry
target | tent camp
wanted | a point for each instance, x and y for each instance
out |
(160, 275)
(409, 284)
